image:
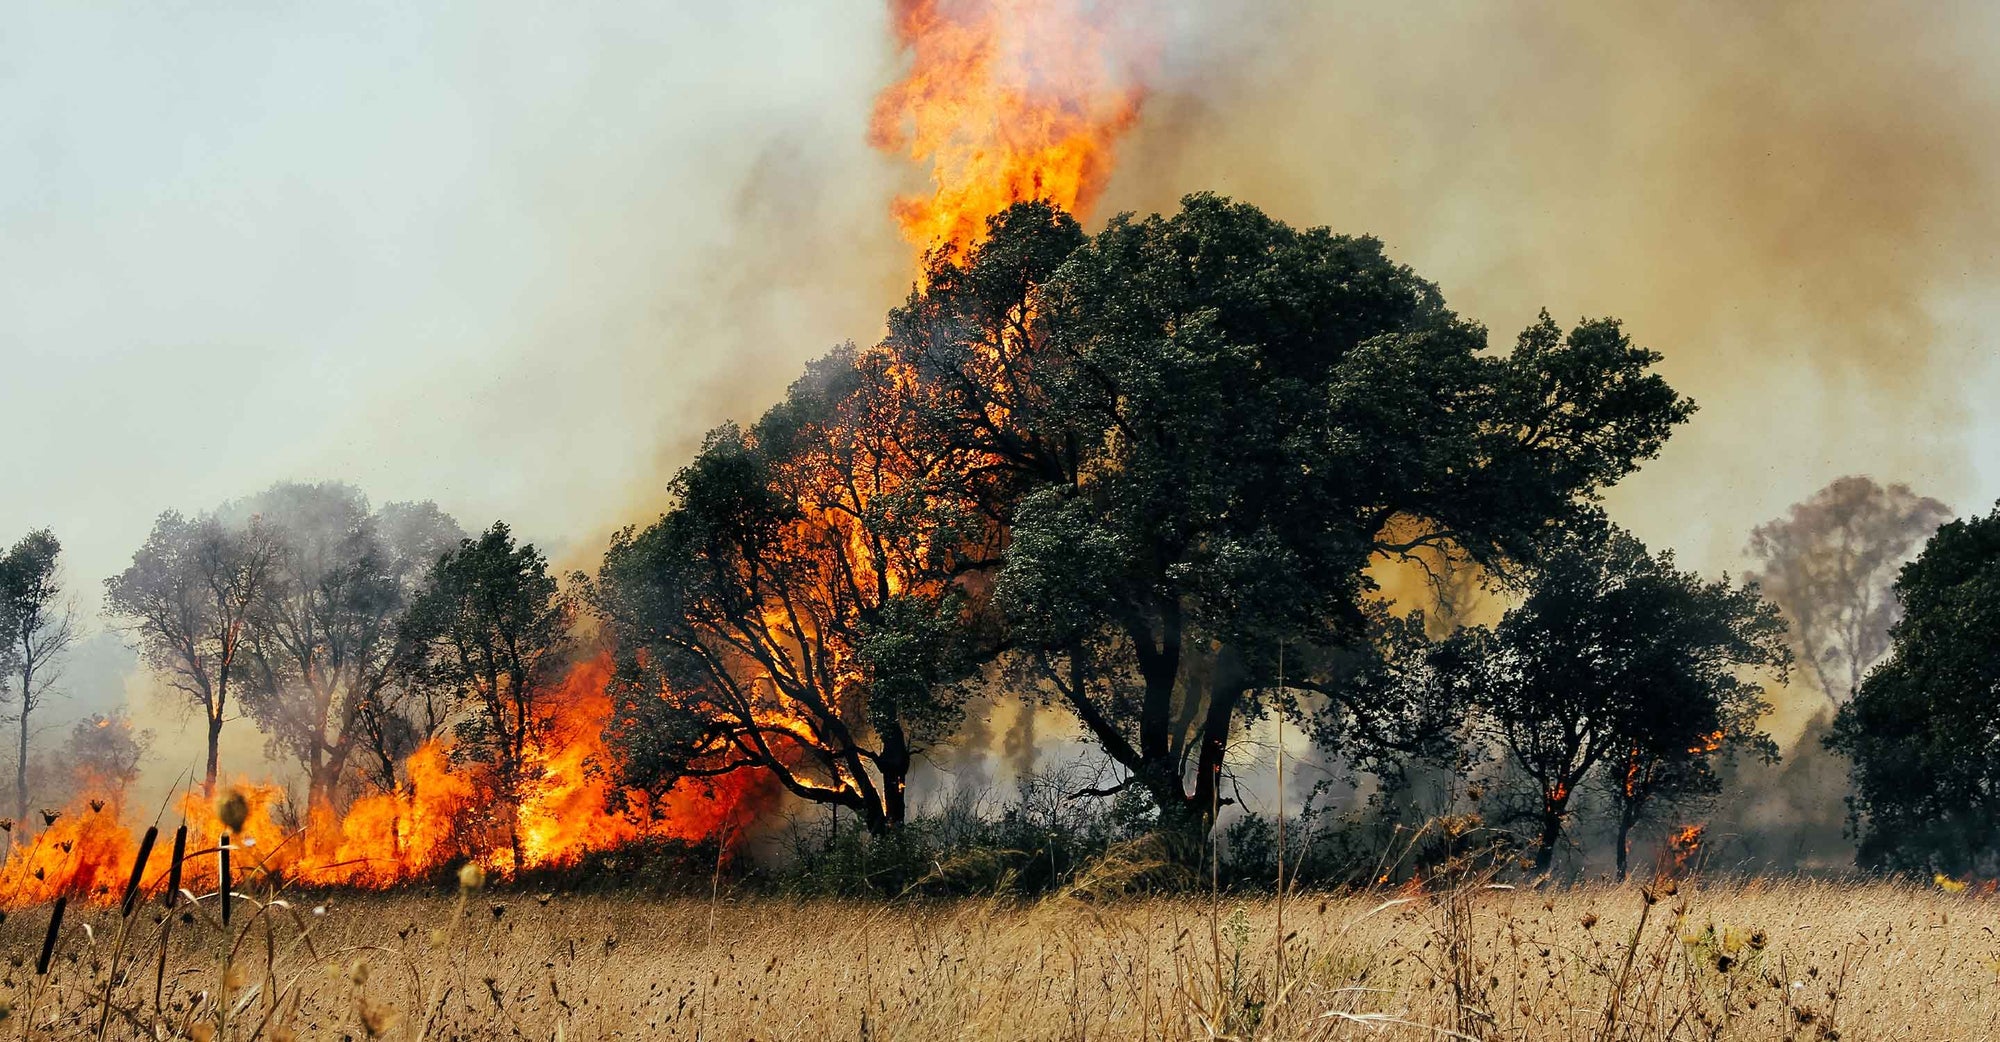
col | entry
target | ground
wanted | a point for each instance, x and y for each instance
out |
(1756, 960)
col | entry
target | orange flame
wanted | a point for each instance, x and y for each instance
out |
(441, 814)
(1006, 101)
(1684, 843)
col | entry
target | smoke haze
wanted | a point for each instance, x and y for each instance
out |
(517, 258)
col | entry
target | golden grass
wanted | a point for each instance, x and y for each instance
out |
(1766, 960)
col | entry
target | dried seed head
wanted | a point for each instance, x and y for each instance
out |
(49, 816)
(471, 877)
(357, 972)
(233, 810)
(96, 806)
(1589, 920)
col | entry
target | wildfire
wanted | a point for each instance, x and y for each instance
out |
(443, 813)
(1685, 843)
(1006, 101)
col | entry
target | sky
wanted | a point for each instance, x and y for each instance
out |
(516, 257)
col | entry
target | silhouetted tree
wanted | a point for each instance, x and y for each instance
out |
(1923, 730)
(40, 626)
(1200, 430)
(489, 633)
(1617, 661)
(187, 598)
(1829, 564)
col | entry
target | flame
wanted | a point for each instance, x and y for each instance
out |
(83, 851)
(1684, 843)
(442, 814)
(1007, 101)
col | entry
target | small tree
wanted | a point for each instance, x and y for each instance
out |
(104, 752)
(1616, 660)
(40, 627)
(1829, 564)
(1923, 730)
(489, 633)
(187, 598)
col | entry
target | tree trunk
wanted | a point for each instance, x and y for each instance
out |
(21, 767)
(1552, 828)
(214, 756)
(1626, 820)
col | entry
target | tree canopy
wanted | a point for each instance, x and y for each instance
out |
(1830, 563)
(1618, 663)
(1924, 726)
(1229, 420)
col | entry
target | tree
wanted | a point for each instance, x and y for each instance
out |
(797, 610)
(1829, 564)
(1200, 430)
(489, 632)
(104, 752)
(1923, 730)
(323, 631)
(1617, 661)
(187, 598)
(40, 627)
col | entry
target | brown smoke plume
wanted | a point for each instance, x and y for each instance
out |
(1794, 202)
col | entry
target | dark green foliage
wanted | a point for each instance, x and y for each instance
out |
(1618, 662)
(1231, 420)
(488, 635)
(1924, 727)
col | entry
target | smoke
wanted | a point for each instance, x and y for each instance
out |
(1794, 202)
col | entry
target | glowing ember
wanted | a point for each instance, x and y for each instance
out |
(1005, 101)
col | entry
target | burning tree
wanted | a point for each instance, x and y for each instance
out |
(323, 632)
(489, 632)
(798, 609)
(188, 598)
(1830, 562)
(1618, 661)
(1199, 430)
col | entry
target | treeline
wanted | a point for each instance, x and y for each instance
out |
(1157, 478)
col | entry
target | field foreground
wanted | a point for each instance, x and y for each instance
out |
(1762, 960)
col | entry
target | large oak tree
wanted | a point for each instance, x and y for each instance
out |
(1201, 429)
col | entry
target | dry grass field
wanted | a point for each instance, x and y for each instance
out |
(1758, 960)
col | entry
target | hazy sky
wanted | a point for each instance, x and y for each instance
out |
(516, 257)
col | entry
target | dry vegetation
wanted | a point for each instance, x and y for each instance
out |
(1757, 960)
